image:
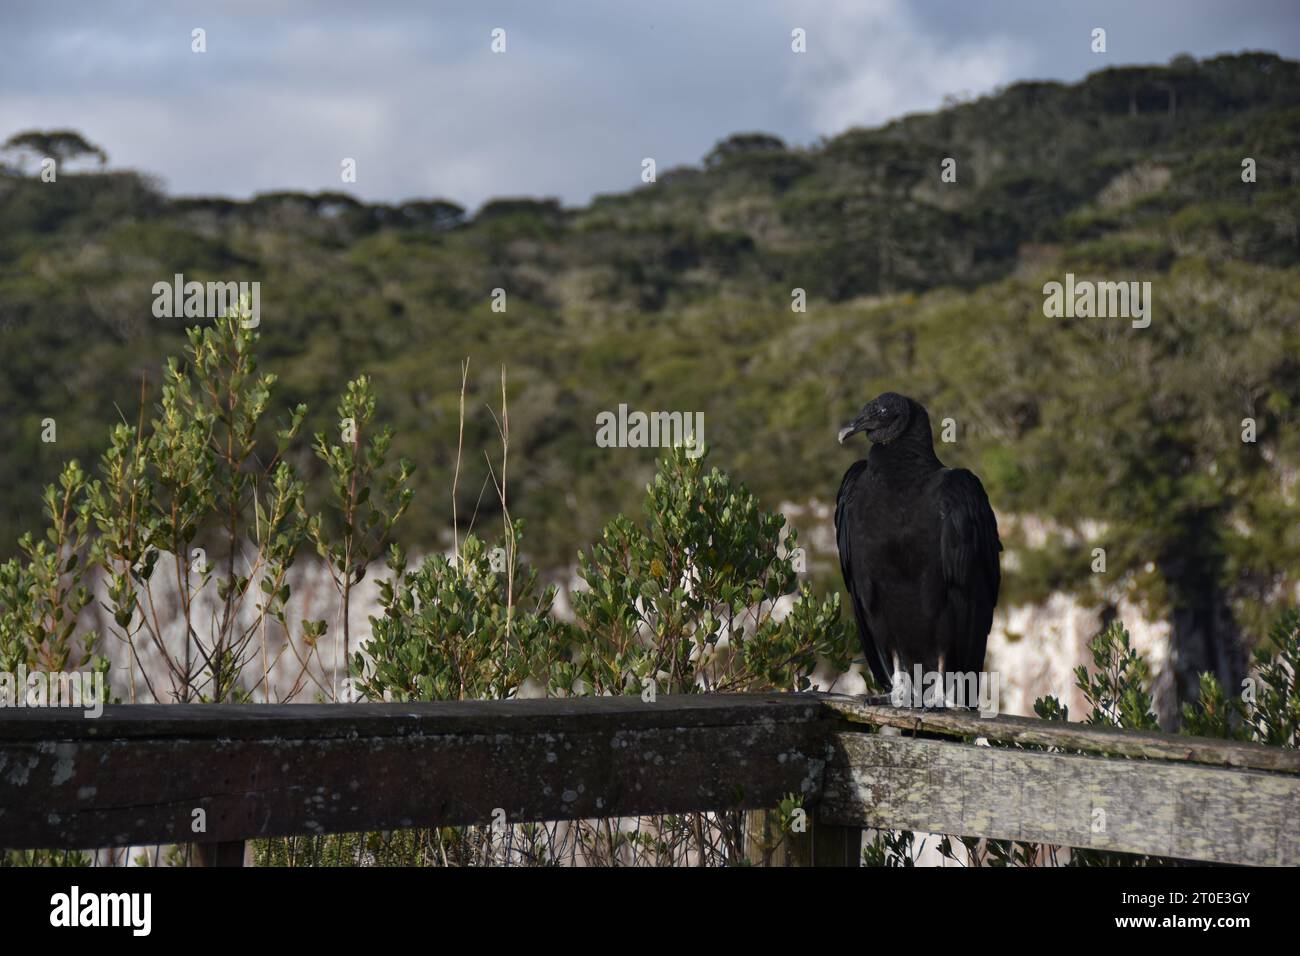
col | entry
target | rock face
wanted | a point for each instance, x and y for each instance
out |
(1035, 649)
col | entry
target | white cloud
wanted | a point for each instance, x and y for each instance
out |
(872, 60)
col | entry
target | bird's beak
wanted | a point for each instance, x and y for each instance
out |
(853, 427)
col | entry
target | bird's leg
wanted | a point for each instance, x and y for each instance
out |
(949, 690)
(900, 688)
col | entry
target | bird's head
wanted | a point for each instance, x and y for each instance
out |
(883, 418)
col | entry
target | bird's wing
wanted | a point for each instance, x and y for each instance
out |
(855, 575)
(968, 547)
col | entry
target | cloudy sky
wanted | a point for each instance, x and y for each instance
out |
(585, 90)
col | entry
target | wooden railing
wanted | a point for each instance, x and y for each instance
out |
(140, 774)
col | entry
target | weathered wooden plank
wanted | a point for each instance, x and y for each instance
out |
(320, 721)
(353, 768)
(1071, 736)
(1135, 806)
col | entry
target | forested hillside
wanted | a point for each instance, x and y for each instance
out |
(677, 296)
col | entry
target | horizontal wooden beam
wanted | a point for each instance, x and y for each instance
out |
(1070, 736)
(138, 774)
(325, 721)
(1134, 806)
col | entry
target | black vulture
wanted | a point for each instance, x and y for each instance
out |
(918, 546)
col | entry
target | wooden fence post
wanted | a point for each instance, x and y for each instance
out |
(223, 853)
(759, 828)
(835, 845)
(821, 844)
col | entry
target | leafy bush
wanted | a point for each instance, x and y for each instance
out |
(41, 597)
(687, 600)
(207, 476)
(451, 631)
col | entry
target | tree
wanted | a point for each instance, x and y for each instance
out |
(742, 144)
(437, 213)
(61, 145)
